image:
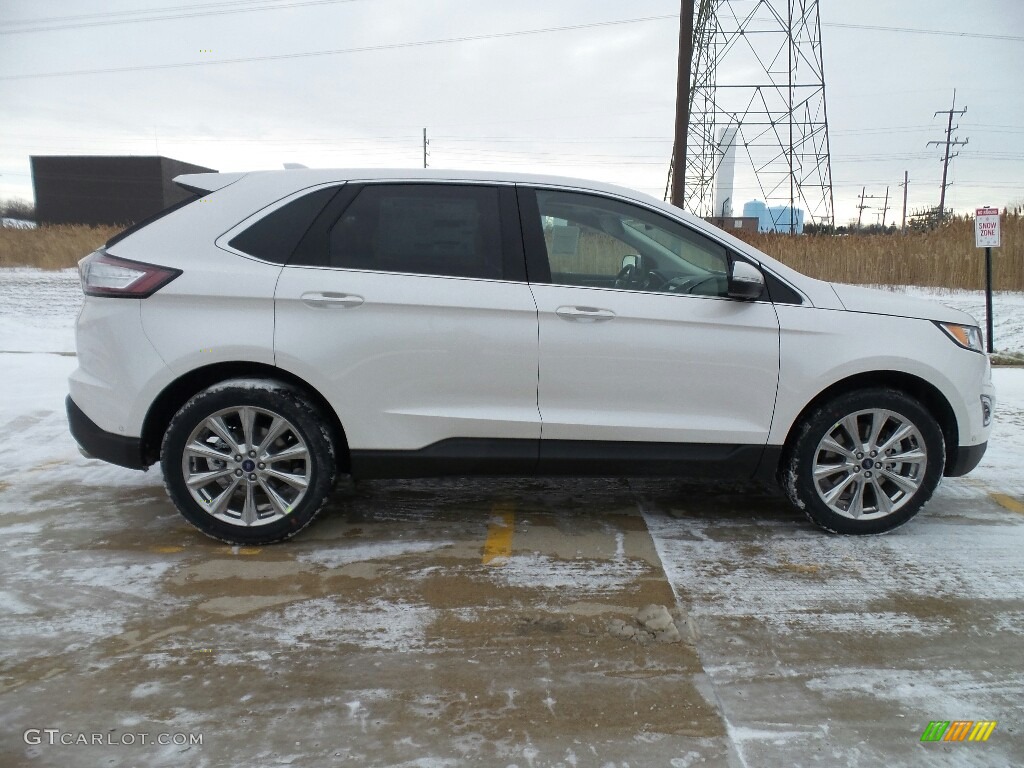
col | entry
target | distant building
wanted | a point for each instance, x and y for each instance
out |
(92, 189)
(731, 223)
(726, 173)
(776, 218)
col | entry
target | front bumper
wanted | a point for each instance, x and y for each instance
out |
(115, 449)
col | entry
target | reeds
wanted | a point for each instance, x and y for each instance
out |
(50, 247)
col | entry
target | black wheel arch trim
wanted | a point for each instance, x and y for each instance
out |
(930, 398)
(182, 389)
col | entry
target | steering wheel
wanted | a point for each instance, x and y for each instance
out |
(655, 281)
(628, 277)
(684, 284)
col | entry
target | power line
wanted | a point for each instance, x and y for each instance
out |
(338, 51)
(106, 14)
(55, 25)
(919, 31)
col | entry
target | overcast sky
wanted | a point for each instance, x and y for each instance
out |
(595, 102)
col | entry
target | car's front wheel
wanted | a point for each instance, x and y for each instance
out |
(865, 462)
(248, 461)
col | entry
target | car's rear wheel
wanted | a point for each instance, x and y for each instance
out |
(248, 461)
(865, 462)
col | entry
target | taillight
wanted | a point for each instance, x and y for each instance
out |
(105, 275)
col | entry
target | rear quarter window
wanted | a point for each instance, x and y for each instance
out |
(274, 237)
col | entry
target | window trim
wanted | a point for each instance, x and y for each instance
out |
(539, 269)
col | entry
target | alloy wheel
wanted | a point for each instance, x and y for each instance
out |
(246, 466)
(870, 464)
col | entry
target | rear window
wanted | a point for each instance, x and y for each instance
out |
(274, 237)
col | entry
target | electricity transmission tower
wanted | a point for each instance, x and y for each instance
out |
(757, 82)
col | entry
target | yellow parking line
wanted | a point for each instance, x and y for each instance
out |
(498, 545)
(244, 550)
(1008, 502)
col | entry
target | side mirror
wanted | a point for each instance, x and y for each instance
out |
(745, 281)
(633, 261)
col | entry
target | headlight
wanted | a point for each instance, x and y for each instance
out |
(966, 336)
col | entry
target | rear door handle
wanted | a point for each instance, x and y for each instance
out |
(585, 314)
(319, 299)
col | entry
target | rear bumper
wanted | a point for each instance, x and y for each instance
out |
(115, 449)
(967, 458)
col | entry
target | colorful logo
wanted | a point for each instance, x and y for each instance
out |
(958, 730)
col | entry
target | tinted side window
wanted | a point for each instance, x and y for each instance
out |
(427, 229)
(598, 242)
(274, 237)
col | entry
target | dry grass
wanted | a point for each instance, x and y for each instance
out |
(51, 247)
(945, 257)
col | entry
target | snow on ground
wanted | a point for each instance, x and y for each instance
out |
(1007, 311)
(17, 223)
(38, 309)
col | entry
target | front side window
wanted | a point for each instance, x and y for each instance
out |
(603, 243)
(427, 229)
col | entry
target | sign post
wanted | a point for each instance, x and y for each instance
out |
(987, 236)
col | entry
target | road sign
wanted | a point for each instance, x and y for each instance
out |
(986, 228)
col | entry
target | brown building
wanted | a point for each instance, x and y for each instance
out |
(93, 189)
(730, 223)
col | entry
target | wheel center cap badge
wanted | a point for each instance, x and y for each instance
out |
(867, 464)
(248, 465)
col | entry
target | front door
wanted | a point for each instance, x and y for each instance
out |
(639, 342)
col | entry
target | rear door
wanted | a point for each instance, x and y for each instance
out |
(406, 305)
(639, 343)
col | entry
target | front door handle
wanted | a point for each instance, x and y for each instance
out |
(318, 299)
(585, 314)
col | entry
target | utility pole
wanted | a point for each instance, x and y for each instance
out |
(949, 143)
(425, 144)
(885, 207)
(906, 186)
(686, 13)
(862, 207)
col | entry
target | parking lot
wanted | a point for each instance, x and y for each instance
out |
(447, 622)
(511, 622)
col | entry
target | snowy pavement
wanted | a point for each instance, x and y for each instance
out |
(491, 622)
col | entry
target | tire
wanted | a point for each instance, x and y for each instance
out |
(242, 489)
(840, 485)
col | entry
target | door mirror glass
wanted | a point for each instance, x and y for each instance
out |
(745, 281)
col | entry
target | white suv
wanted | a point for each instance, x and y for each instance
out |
(286, 326)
